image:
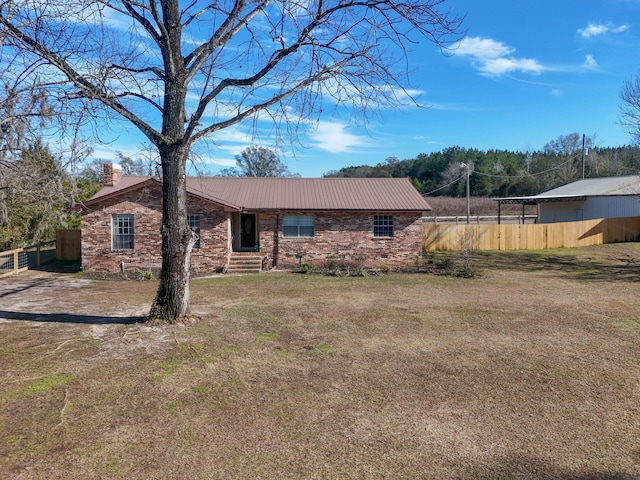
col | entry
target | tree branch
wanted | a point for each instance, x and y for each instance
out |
(91, 91)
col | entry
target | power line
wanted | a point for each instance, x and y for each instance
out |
(557, 167)
(445, 186)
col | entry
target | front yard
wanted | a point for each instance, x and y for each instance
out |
(530, 371)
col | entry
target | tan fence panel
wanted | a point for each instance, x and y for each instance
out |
(68, 244)
(530, 236)
(624, 230)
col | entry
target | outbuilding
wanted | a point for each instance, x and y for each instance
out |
(587, 199)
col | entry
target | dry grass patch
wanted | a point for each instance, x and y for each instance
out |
(529, 372)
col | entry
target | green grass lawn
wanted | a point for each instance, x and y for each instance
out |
(531, 370)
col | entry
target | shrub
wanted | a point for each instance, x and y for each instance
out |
(145, 275)
(385, 268)
(305, 267)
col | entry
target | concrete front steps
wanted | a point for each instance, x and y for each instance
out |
(244, 262)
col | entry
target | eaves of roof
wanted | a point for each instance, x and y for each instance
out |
(535, 199)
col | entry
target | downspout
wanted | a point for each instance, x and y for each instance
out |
(229, 238)
(276, 241)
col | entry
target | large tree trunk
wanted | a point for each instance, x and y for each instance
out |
(172, 299)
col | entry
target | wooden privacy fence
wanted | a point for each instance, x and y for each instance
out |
(68, 244)
(530, 237)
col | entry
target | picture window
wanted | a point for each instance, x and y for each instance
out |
(298, 226)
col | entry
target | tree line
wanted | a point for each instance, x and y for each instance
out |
(503, 173)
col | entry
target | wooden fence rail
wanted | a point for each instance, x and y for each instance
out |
(462, 219)
(66, 246)
(530, 236)
(13, 261)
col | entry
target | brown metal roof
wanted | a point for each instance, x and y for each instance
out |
(260, 193)
(253, 193)
(125, 184)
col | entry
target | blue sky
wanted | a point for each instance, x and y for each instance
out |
(526, 73)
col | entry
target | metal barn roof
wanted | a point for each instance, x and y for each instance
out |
(588, 187)
(265, 193)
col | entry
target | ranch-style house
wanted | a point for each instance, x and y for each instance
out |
(261, 223)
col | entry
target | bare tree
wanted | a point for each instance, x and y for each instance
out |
(566, 154)
(143, 164)
(630, 107)
(258, 162)
(180, 71)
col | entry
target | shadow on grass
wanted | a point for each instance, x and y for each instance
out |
(69, 318)
(522, 466)
(615, 264)
(59, 266)
(25, 287)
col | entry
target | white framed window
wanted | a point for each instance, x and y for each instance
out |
(298, 225)
(194, 225)
(122, 232)
(383, 225)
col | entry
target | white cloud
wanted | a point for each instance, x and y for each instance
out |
(594, 29)
(500, 66)
(494, 58)
(482, 48)
(589, 62)
(333, 138)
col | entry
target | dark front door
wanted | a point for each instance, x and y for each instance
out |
(247, 230)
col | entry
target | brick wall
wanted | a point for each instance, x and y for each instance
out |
(145, 205)
(344, 237)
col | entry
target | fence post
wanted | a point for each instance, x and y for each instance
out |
(15, 262)
(38, 254)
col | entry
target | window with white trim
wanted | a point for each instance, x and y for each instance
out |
(194, 225)
(298, 225)
(122, 232)
(383, 225)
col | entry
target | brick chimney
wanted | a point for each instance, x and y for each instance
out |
(112, 174)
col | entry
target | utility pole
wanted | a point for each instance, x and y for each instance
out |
(583, 152)
(466, 165)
